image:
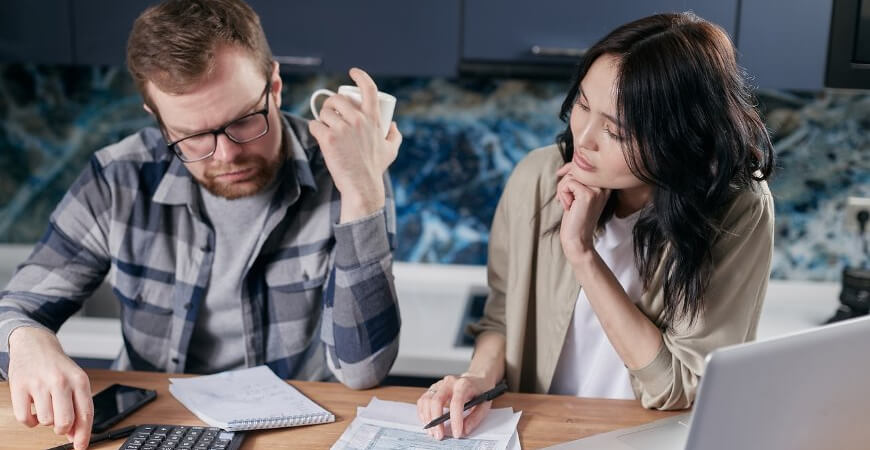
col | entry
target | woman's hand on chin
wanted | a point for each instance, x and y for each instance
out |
(581, 207)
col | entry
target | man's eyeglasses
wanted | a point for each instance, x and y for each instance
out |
(245, 129)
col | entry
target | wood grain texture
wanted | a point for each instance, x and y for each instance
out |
(546, 419)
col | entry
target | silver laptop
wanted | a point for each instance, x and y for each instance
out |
(809, 390)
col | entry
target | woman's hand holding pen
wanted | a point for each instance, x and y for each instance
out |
(453, 392)
(582, 206)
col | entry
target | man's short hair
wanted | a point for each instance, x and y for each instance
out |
(173, 44)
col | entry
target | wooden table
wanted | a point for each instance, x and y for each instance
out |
(546, 419)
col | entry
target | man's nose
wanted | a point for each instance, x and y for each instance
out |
(225, 149)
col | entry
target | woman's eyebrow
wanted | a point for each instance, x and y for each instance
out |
(612, 119)
(606, 116)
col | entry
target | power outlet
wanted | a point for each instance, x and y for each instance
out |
(855, 205)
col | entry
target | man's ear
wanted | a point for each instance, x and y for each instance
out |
(276, 79)
(148, 109)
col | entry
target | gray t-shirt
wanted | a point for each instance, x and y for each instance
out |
(218, 343)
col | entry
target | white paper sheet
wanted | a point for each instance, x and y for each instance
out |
(386, 425)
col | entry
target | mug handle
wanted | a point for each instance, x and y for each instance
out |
(314, 96)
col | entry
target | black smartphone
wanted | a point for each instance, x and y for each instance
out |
(117, 402)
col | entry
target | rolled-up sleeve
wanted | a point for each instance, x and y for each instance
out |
(361, 321)
(741, 267)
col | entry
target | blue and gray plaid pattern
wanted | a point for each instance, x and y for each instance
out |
(318, 300)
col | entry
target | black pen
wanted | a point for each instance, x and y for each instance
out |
(105, 436)
(485, 397)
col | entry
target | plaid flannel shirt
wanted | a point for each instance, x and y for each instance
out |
(318, 294)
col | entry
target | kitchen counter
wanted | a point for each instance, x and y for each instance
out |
(433, 300)
(434, 305)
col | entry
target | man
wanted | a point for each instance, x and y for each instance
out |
(229, 235)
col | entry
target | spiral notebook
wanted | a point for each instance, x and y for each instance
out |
(247, 399)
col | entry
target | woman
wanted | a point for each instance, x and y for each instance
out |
(658, 245)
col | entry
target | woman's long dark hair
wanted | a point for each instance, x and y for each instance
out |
(691, 130)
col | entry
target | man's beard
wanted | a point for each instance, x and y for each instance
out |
(264, 173)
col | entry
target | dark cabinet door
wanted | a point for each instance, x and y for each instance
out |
(783, 44)
(384, 37)
(526, 31)
(101, 28)
(35, 32)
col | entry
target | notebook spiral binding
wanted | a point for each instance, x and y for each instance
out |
(263, 423)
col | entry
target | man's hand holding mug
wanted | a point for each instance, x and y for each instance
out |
(358, 140)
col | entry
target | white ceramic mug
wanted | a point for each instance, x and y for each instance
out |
(386, 103)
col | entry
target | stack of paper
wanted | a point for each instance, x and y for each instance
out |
(385, 425)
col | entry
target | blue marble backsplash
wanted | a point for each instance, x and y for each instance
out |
(461, 140)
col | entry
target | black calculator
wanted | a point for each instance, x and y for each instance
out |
(182, 437)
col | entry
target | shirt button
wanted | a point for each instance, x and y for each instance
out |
(174, 360)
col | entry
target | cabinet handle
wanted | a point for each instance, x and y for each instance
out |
(558, 51)
(307, 61)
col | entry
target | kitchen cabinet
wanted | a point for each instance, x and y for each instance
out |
(385, 37)
(38, 35)
(101, 28)
(543, 30)
(783, 44)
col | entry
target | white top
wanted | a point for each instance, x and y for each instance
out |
(589, 366)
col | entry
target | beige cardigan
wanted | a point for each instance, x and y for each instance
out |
(533, 290)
